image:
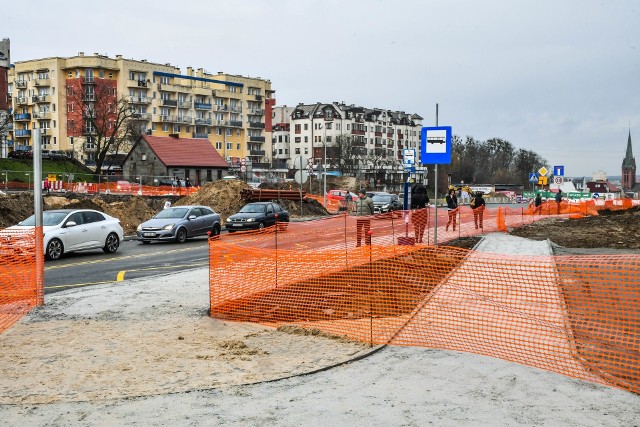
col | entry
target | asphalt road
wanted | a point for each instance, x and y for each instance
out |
(132, 260)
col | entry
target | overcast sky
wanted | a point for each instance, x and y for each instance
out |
(558, 77)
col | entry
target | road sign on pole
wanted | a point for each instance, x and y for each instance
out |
(436, 145)
(558, 171)
(533, 177)
(558, 180)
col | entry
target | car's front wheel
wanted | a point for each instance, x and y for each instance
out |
(55, 249)
(181, 235)
(111, 244)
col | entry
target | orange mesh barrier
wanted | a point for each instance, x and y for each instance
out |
(578, 316)
(21, 287)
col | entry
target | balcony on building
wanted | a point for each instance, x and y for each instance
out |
(222, 108)
(236, 109)
(45, 131)
(88, 80)
(258, 97)
(184, 104)
(137, 83)
(89, 147)
(139, 100)
(202, 106)
(256, 112)
(200, 135)
(257, 125)
(184, 119)
(221, 123)
(42, 82)
(357, 132)
(89, 130)
(22, 133)
(169, 102)
(21, 84)
(42, 115)
(280, 164)
(22, 117)
(141, 116)
(235, 123)
(257, 138)
(257, 152)
(169, 118)
(203, 121)
(87, 97)
(89, 114)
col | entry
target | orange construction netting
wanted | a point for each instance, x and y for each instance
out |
(21, 278)
(574, 315)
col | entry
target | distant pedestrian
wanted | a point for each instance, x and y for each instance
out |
(419, 212)
(167, 204)
(537, 202)
(47, 186)
(452, 206)
(478, 205)
(348, 200)
(559, 199)
(187, 182)
(363, 208)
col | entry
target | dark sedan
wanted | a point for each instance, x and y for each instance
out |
(179, 223)
(256, 215)
(385, 202)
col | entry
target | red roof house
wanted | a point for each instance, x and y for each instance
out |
(157, 157)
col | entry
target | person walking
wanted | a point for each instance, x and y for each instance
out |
(537, 203)
(363, 210)
(419, 214)
(452, 206)
(559, 199)
(478, 205)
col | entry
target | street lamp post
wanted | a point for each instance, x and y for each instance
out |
(324, 165)
(28, 181)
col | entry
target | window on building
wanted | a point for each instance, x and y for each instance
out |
(218, 131)
(306, 126)
(228, 132)
(218, 145)
(165, 127)
(297, 151)
(306, 139)
(229, 146)
(176, 128)
(238, 146)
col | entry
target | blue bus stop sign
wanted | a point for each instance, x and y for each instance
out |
(436, 145)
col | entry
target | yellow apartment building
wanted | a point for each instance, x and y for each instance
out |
(232, 112)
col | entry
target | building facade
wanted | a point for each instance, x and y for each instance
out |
(229, 111)
(365, 142)
(629, 168)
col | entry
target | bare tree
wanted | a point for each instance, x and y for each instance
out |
(108, 122)
(6, 124)
(349, 154)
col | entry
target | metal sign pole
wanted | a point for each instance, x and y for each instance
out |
(435, 194)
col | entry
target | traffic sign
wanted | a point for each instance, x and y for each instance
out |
(301, 176)
(300, 162)
(596, 195)
(533, 177)
(543, 171)
(558, 180)
(558, 170)
(435, 145)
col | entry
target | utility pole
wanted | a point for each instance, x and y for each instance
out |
(435, 193)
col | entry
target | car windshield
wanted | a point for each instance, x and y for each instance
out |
(48, 218)
(386, 198)
(253, 209)
(171, 213)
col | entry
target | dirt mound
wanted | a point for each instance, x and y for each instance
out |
(222, 196)
(614, 229)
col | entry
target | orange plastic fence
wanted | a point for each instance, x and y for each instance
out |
(578, 316)
(21, 285)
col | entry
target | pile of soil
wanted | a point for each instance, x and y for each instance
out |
(613, 229)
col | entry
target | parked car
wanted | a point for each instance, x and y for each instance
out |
(46, 154)
(73, 230)
(255, 216)
(179, 223)
(58, 155)
(340, 195)
(386, 202)
(123, 186)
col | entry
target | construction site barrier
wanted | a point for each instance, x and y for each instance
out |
(21, 277)
(575, 315)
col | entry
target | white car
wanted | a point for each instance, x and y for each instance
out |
(72, 230)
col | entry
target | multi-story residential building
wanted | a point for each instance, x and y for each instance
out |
(375, 138)
(281, 123)
(5, 122)
(232, 112)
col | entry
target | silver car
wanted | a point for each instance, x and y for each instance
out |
(72, 230)
(178, 223)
